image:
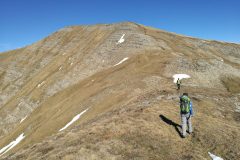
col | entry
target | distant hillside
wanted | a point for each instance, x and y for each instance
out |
(106, 92)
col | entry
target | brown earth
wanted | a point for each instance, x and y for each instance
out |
(133, 108)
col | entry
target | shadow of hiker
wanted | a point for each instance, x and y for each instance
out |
(170, 122)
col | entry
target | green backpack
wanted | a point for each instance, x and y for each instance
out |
(185, 104)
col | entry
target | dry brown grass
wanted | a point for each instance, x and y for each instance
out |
(126, 103)
(232, 83)
(135, 131)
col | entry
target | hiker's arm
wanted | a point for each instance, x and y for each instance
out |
(192, 111)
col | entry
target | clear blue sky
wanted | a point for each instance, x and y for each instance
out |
(23, 22)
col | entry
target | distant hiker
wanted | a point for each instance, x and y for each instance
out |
(178, 84)
(186, 111)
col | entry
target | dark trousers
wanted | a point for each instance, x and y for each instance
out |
(178, 86)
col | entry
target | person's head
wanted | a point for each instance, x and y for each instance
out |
(185, 94)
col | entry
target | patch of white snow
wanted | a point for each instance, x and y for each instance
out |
(12, 144)
(71, 64)
(180, 76)
(73, 120)
(124, 59)
(23, 119)
(39, 85)
(214, 157)
(121, 40)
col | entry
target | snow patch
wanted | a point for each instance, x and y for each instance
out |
(180, 76)
(12, 144)
(71, 64)
(121, 40)
(214, 157)
(124, 59)
(39, 85)
(23, 119)
(73, 120)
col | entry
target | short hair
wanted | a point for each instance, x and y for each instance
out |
(185, 94)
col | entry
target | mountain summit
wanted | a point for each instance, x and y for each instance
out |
(107, 91)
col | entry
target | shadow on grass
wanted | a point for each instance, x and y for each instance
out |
(170, 122)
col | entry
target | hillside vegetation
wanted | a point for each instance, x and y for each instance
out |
(120, 75)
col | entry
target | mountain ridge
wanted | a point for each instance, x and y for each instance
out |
(128, 22)
(55, 79)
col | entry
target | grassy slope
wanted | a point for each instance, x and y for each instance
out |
(136, 130)
(132, 127)
(133, 113)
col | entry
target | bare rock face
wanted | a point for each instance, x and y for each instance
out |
(121, 75)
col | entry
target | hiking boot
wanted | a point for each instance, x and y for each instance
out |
(182, 136)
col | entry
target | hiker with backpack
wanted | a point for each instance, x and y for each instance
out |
(178, 84)
(186, 112)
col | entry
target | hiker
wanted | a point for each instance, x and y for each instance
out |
(178, 84)
(186, 112)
